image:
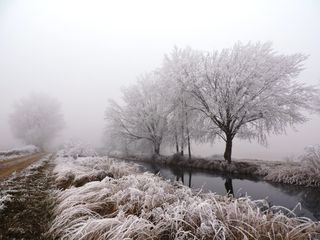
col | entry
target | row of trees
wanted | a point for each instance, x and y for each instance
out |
(248, 91)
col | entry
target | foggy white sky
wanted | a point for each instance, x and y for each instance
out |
(82, 52)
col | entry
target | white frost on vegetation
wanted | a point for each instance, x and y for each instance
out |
(18, 152)
(132, 205)
(306, 174)
(4, 199)
(71, 171)
(77, 149)
(311, 157)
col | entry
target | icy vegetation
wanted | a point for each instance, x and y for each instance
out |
(3, 199)
(77, 164)
(77, 149)
(18, 152)
(248, 91)
(126, 204)
(307, 174)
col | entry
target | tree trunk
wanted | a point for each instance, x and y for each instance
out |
(177, 144)
(228, 150)
(182, 140)
(157, 148)
(182, 143)
(188, 136)
(189, 146)
(181, 152)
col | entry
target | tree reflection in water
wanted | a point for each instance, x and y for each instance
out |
(179, 173)
(307, 196)
(154, 168)
(228, 185)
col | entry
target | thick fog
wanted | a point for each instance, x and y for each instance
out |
(83, 52)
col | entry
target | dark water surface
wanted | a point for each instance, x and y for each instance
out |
(276, 194)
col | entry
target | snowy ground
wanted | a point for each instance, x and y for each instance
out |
(18, 152)
(100, 198)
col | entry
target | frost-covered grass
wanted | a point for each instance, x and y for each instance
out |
(76, 149)
(303, 176)
(78, 171)
(18, 152)
(4, 199)
(133, 205)
(306, 174)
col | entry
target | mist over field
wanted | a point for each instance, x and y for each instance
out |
(83, 53)
(160, 119)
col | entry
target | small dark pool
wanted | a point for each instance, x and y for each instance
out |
(276, 194)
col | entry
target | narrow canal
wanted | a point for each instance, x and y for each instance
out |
(305, 200)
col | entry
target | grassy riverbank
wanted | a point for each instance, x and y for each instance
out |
(288, 172)
(134, 205)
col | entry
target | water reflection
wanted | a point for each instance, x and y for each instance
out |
(309, 197)
(178, 173)
(154, 168)
(228, 185)
(276, 194)
(190, 177)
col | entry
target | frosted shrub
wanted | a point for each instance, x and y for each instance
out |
(311, 157)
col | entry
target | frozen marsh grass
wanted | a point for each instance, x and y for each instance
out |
(18, 152)
(78, 171)
(133, 205)
(306, 174)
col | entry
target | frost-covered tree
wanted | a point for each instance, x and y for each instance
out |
(183, 121)
(36, 120)
(143, 116)
(247, 91)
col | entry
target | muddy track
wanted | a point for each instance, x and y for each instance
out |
(17, 164)
(28, 212)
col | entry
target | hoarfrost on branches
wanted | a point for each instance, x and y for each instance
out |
(248, 90)
(144, 113)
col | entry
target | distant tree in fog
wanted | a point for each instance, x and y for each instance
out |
(246, 91)
(36, 120)
(143, 116)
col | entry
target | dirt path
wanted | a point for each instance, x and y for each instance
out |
(26, 210)
(17, 164)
